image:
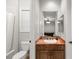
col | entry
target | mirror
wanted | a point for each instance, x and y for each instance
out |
(52, 16)
(61, 25)
(49, 22)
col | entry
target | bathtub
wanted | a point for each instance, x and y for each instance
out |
(10, 54)
(20, 55)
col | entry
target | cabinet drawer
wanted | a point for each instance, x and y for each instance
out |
(50, 47)
(62, 47)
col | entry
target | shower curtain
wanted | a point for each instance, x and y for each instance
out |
(10, 21)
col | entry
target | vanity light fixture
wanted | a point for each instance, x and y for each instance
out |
(58, 22)
(60, 19)
(48, 22)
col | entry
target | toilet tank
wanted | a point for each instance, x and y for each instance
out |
(25, 45)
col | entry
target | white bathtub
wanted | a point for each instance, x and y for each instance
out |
(21, 55)
(10, 54)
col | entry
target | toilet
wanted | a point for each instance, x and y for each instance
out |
(24, 51)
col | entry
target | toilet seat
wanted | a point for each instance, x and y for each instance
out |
(20, 55)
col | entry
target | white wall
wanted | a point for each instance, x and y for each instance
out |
(34, 26)
(25, 7)
(63, 4)
(62, 8)
(12, 7)
(23, 36)
(50, 5)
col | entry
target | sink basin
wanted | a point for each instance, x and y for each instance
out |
(50, 41)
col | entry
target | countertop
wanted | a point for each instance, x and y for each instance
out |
(41, 41)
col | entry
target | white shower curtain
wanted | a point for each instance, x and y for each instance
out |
(9, 31)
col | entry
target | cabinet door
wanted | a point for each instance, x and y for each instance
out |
(42, 55)
(57, 55)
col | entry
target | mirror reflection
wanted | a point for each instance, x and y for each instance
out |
(49, 23)
(61, 25)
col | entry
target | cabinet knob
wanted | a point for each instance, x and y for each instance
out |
(29, 41)
(70, 42)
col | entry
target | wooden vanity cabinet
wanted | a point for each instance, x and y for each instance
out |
(50, 51)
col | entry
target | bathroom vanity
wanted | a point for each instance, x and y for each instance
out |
(54, 50)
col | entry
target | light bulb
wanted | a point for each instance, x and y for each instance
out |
(48, 22)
